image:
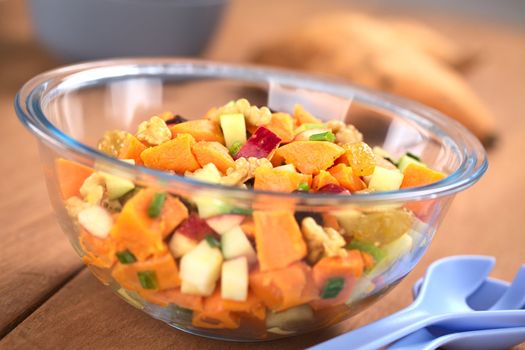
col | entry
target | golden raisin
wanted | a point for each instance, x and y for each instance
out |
(361, 158)
(112, 142)
(382, 227)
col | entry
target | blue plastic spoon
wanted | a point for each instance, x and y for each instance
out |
(489, 296)
(444, 292)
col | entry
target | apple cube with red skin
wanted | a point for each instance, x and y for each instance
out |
(195, 228)
(260, 145)
(224, 223)
(333, 188)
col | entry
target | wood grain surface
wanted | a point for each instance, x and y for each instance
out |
(46, 304)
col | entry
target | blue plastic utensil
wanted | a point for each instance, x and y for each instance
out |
(444, 292)
(487, 339)
(511, 297)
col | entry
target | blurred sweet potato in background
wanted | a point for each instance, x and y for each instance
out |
(397, 56)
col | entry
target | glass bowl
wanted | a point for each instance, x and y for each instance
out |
(68, 110)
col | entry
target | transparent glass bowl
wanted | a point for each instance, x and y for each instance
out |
(68, 110)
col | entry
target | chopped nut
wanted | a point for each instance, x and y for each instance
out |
(244, 170)
(92, 190)
(112, 142)
(321, 241)
(154, 131)
(253, 114)
(344, 133)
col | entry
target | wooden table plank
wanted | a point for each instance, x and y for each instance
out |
(487, 219)
(35, 256)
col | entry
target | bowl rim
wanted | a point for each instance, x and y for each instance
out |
(29, 99)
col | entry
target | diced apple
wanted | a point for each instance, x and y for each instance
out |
(208, 207)
(291, 319)
(200, 269)
(180, 245)
(234, 243)
(287, 167)
(234, 279)
(233, 128)
(383, 179)
(224, 223)
(96, 220)
(260, 145)
(116, 186)
(305, 135)
(405, 161)
(195, 228)
(208, 173)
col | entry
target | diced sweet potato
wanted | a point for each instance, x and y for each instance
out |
(282, 125)
(418, 175)
(322, 179)
(175, 155)
(98, 252)
(213, 152)
(131, 149)
(303, 117)
(248, 227)
(163, 268)
(142, 235)
(346, 178)
(70, 176)
(310, 157)
(284, 288)
(268, 179)
(278, 239)
(348, 268)
(172, 296)
(215, 315)
(200, 129)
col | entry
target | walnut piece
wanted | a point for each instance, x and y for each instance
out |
(154, 131)
(344, 133)
(112, 142)
(244, 170)
(92, 190)
(321, 241)
(75, 205)
(253, 114)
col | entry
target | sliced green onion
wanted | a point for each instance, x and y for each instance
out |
(212, 241)
(324, 136)
(390, 160)
(156, 204)
(377, 253)
(303, 186)
(148, 279)
(413, 156)
(126, 257)
(241, 211)
(235, 147)
(332, 288)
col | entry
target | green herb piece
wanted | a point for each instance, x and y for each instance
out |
(148, 279)
(308, 126)
(241, 211)
(324, 136)
(303, 186)
(235, 147)
(413, 156)
(212, 241)
(333, 287)
(126, 257)
(156, 204)
(390, 160)
(377, 253)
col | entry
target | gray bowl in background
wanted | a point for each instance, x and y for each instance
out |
(77, 30)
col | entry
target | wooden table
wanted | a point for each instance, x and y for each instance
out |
(49, 301)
